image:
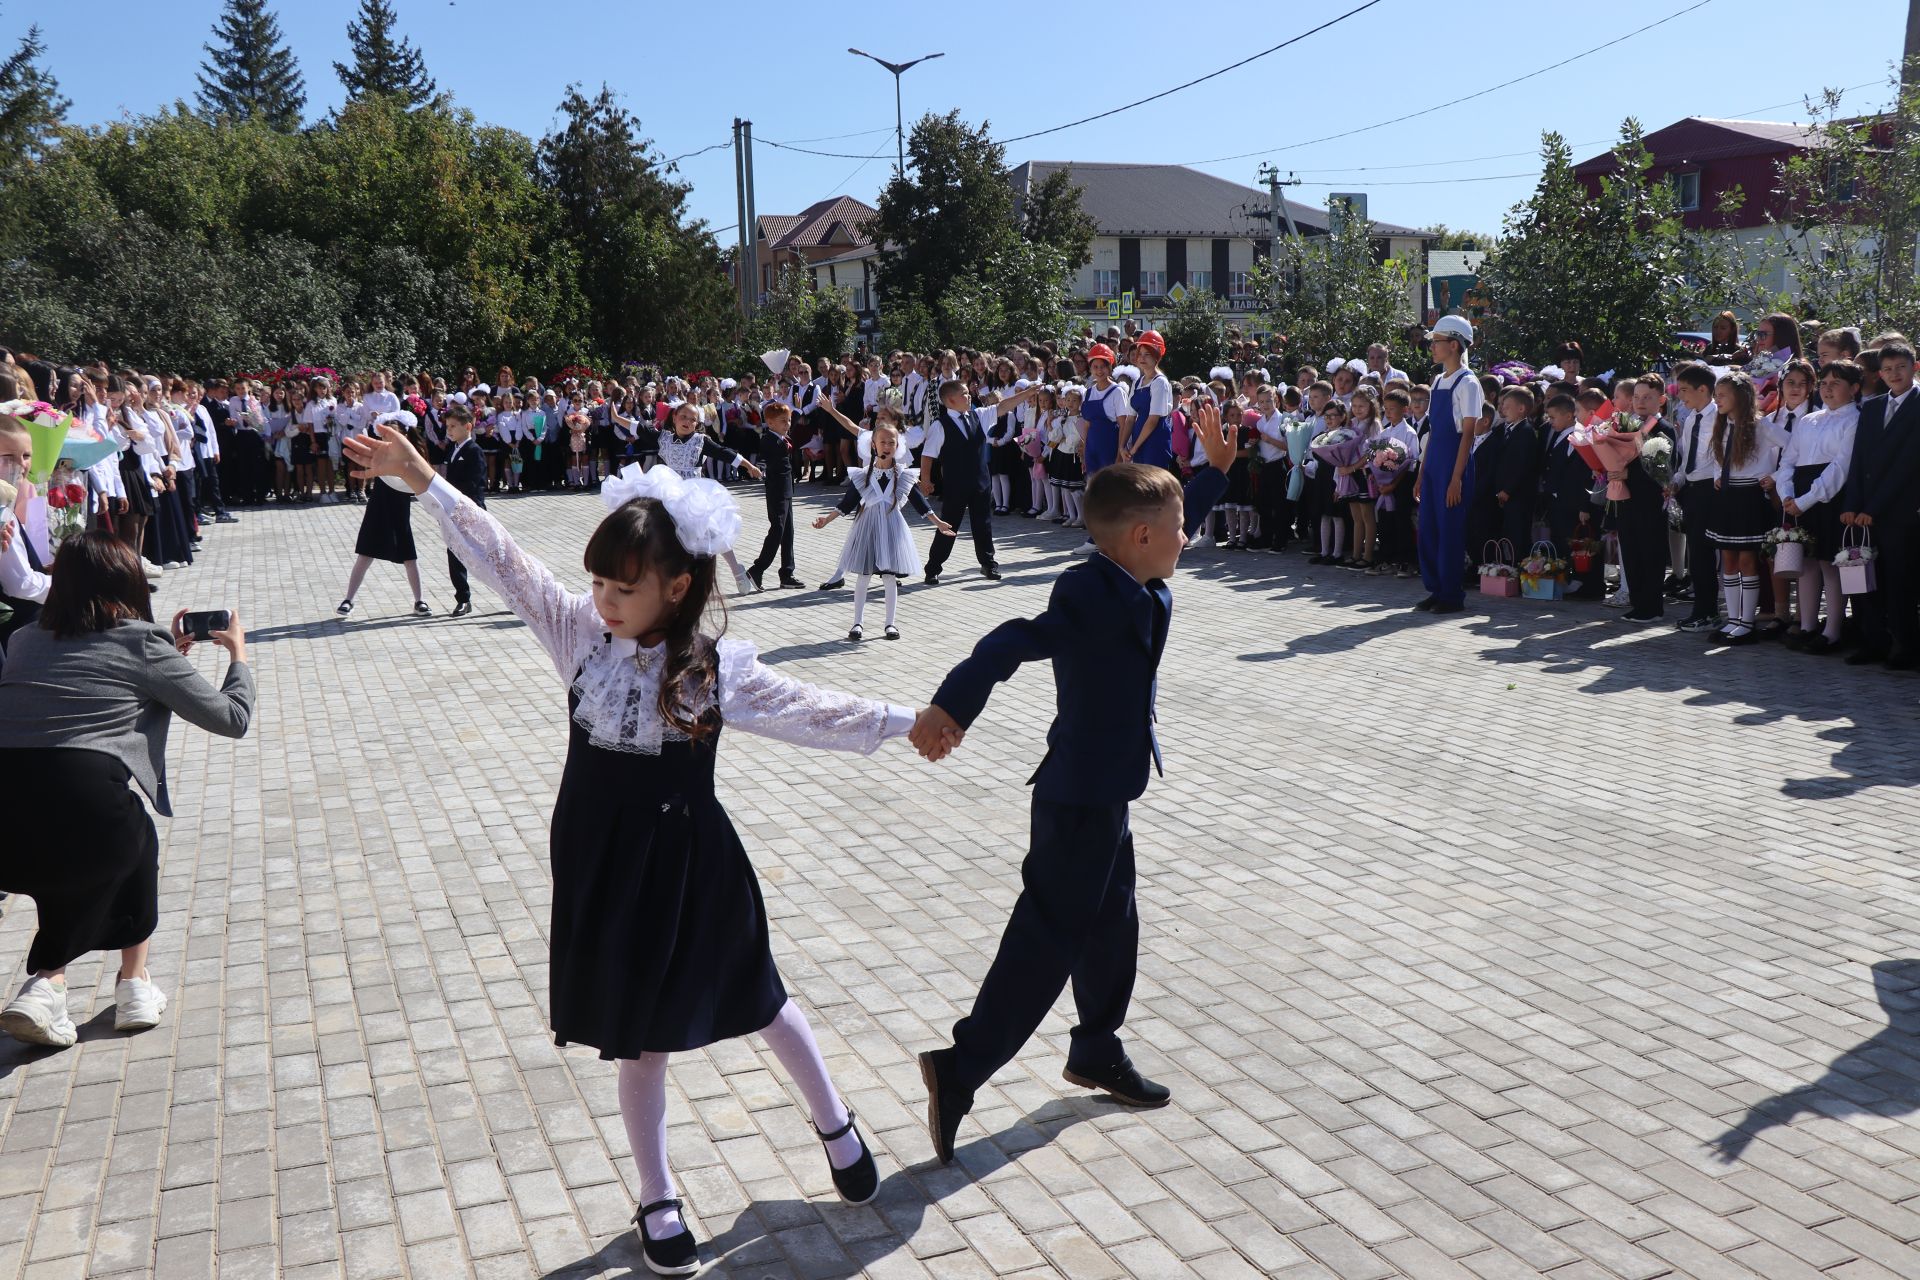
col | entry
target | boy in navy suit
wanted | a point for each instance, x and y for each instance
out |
(466, 471)
(1104, 630)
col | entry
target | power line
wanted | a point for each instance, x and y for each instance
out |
(831, 155)
(841, 136)
(1427, 182)
(702, 151)
(1041, 133)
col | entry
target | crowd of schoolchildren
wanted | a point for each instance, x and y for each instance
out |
(1739, 481)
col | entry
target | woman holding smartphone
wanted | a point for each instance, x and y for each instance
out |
(86, 698)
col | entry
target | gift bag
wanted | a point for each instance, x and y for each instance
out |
(1789, 557)
(1544, 586)
(1856, 561)
(1498, 557)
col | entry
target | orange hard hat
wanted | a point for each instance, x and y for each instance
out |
(1100, 351)
(1151, 338)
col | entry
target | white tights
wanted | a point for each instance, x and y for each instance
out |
(860, 596)
(1817, 576)
(643, 1105)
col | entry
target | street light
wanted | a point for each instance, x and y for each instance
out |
(899, 69)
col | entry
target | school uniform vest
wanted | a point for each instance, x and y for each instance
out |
(963, 454)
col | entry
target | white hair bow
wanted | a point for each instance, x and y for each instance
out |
(704, 514)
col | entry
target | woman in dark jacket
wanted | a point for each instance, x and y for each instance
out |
(85, 701)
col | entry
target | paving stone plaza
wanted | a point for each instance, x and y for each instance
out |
(1507, 944)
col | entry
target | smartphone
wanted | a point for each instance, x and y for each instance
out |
(201, 626)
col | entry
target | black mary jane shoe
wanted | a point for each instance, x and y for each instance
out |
(678, 1254)
(859, 1182)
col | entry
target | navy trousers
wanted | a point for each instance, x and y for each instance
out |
(1075, 920)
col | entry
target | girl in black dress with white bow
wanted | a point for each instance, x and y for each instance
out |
(659, 934)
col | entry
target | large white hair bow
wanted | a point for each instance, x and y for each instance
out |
(704, 514)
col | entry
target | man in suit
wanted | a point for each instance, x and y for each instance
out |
(1104, 630)
(467, 472)
(1879, 501)
(958, 437)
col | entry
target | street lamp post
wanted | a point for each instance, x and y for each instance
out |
(899, 69)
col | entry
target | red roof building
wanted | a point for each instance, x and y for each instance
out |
(1705, 159)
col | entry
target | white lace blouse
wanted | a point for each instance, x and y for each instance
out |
(618, 682)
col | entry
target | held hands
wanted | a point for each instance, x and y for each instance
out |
(756, 473)
(935, 734)
(390, 454)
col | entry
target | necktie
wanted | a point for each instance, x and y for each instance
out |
(1693, 441)
(1788, 428)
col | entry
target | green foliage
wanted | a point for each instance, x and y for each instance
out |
(1195, 334)
(958, 268)
(381, 63)
(1618, 271)
(31, 106)
(799, 317)
(1051, 215)
(250, 74)
(910, 326)
(1853, 192)
(1328, 297)
(1445, 237)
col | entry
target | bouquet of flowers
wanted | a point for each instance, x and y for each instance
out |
(1858, 553)
(1542, 563)
(66, 505)
(1676, 514)
(56, 435)
(1787, 533)
(1608, 445)
(1340, 448)
(1582, 552)
(1514, 373)
(583, 373)
(1386, 460)
(1656, 455)
(1299, 436)
(1787, 547)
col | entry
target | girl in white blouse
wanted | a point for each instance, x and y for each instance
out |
(1813, 469)
(659, 934)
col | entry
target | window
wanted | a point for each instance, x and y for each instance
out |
(1686, 190)
(1200, 281)
(1106, 284)
(1841, 186)
(1237, 285)
(1153, 284)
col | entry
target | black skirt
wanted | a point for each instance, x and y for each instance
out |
(1239, 484)
(1742, 515)
(96, 889)
(133, 478)
(659, 933)
(1821, 521)
(386, 528)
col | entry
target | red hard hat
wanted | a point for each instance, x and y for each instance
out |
(1151, 338)
(1100, 351)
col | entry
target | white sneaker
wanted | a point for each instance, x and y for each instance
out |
(38, 1015)
(137, 1004)
(149, 568)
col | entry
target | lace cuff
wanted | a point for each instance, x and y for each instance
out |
(758, 699)
(564, 623)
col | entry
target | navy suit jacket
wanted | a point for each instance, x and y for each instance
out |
(467, 470)
(1104, 633)
(1881, 474)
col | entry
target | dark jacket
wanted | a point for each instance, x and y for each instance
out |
(467, 470)
(1886, 461)
(1104, 634)
(963, 454)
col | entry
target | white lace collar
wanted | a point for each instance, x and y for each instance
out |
(618, 692)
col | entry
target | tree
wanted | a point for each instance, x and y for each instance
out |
(31, 106)
(1445, 237)
(799, 317)
(251, 74)
(1196, 338)
(382, 64)
(654, 284)
(1617, 270)
(1853, 191)
(1051, 215)
(1327, 296)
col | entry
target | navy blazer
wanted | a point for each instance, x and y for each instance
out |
(1881, 474)
(467, 470)
(1104, 633)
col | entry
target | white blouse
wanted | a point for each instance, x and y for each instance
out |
(618, 683)
(1768, 441)
(1823, 438)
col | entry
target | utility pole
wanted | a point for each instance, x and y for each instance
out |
(1278, 212)
(753, 240)
(899, 69)
(1897, 264)
(741, 229)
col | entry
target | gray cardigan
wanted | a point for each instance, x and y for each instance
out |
(115, 691)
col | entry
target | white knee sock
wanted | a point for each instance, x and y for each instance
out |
(1730, 594)
(1339, 537)
(643, 1105)
(860, 598)
(893, 598)
(791, 1039)
(1749, 598)
(1327, 526)
(733, 563)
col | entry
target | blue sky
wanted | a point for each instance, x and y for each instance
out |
(687, 70)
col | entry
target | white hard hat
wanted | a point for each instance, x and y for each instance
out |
(1456, 327)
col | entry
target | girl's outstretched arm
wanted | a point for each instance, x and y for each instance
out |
(759, 699)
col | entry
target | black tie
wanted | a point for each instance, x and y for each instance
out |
(973, 423)
(33, 557)
(1693, 441)
(1789, 427)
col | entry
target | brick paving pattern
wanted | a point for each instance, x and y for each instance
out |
(1464, 941)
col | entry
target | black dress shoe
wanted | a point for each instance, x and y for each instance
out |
(835, 585)
(678, 1254)
(1123, 1083)
(1866, 656)
(1425, 606)
(932, 579)
(1448, 608)
(990, 573)
(946, 1105)
(791, 584)
(1817, 642)
(462, 609)
(754, 576)
(859, 1182)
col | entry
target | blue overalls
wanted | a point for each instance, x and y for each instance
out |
(1443, 529)
(1157, 449)
(1103, 433)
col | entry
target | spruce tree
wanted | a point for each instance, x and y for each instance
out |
(250, 73)
(381, 64)
(30, 102)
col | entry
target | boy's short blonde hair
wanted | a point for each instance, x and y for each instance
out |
(1126, 494)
